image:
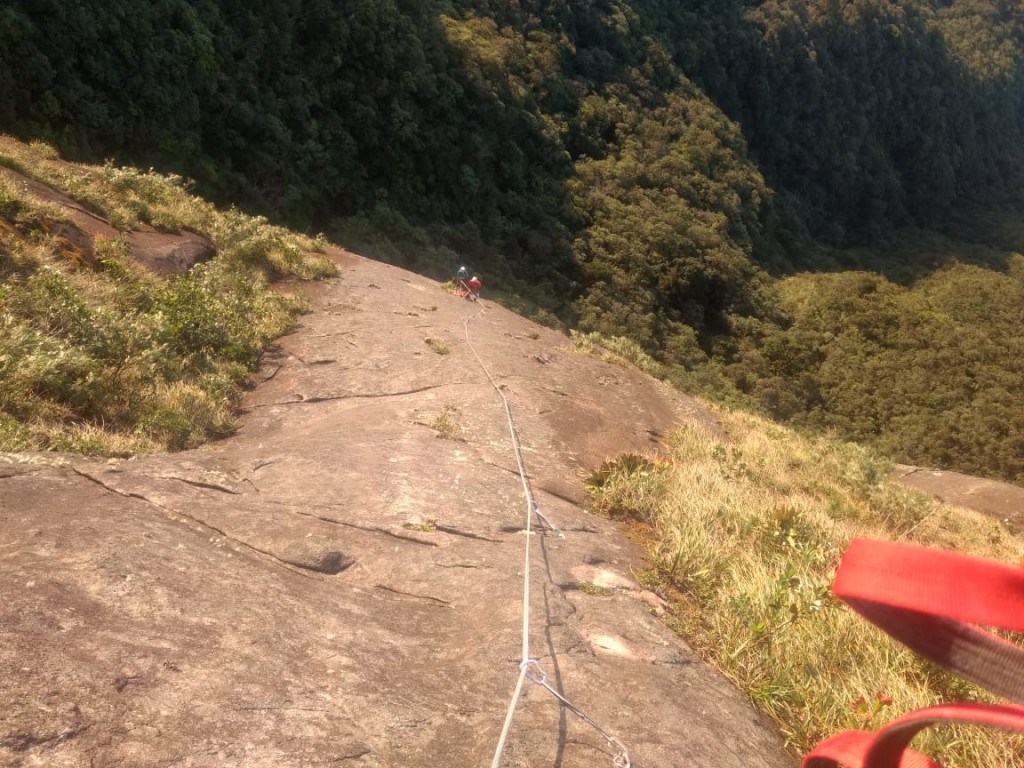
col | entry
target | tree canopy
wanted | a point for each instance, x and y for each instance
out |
(647, 168)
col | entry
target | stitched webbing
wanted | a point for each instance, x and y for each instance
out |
(925, 598)
(889, 747)
(929, 600)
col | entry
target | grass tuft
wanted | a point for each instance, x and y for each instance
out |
(427, 525)
(617, 350)
(448, 423)
(589, 588)
(438, 345)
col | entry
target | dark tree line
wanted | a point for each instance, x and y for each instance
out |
(638, 167)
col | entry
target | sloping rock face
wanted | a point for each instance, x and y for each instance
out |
(165, 253)
(170, 253)
(1001, 500)
(338, 585)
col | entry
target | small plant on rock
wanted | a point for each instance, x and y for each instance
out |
(438, 345)
(448, 423)
(427, 525)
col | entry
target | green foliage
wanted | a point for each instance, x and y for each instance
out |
(673, 215)
(865, 110)
(466, 116)
(14, 436)
(115, 360)
(640, 168)
(928, 373)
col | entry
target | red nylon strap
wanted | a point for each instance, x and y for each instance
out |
(888, 747)
(925, 598)
(850, 749)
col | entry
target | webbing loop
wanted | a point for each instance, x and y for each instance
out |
(931, 600)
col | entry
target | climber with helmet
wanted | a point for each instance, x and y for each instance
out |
(474, 285)
(461, 289)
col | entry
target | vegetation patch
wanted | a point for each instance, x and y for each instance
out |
(426, 525)
(440, 346)
(106, 358)
(448, 423)
(589, 588)
(746, 534)
(617, 350)
(640, 169)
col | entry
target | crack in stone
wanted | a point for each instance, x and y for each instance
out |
(466, 534)
(343, 523)
(201, 484)
(173, 513)
(905, 475)
(353, 396)
(330, 335)
(510, 470)
(186, 755)
(560, 496)
(382, 394)
(5, 474)
(23, 742)
(318, 361)
(276, 370)
(362, 752)
(428, 598)
(463, 565)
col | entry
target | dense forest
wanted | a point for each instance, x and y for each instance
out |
(808, 206)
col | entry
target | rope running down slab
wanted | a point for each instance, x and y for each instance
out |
(530, 669)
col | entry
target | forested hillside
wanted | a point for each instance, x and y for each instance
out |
(677, 171)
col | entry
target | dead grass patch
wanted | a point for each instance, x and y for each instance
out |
(438, 345)
(448, 423)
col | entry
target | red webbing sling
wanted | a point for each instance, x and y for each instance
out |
(929, 600)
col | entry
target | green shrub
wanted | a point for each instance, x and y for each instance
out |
(118, 360)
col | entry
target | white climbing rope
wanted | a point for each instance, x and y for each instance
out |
(530, 669)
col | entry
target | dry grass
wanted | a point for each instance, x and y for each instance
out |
(426, 525)
(438, 345)
(130, 197)
(448, 423)
(616, 350)
(748, 533)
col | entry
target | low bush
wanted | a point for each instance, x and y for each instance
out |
(111, 359)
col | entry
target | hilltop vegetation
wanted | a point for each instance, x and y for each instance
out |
(100, 355)
(660, 169)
